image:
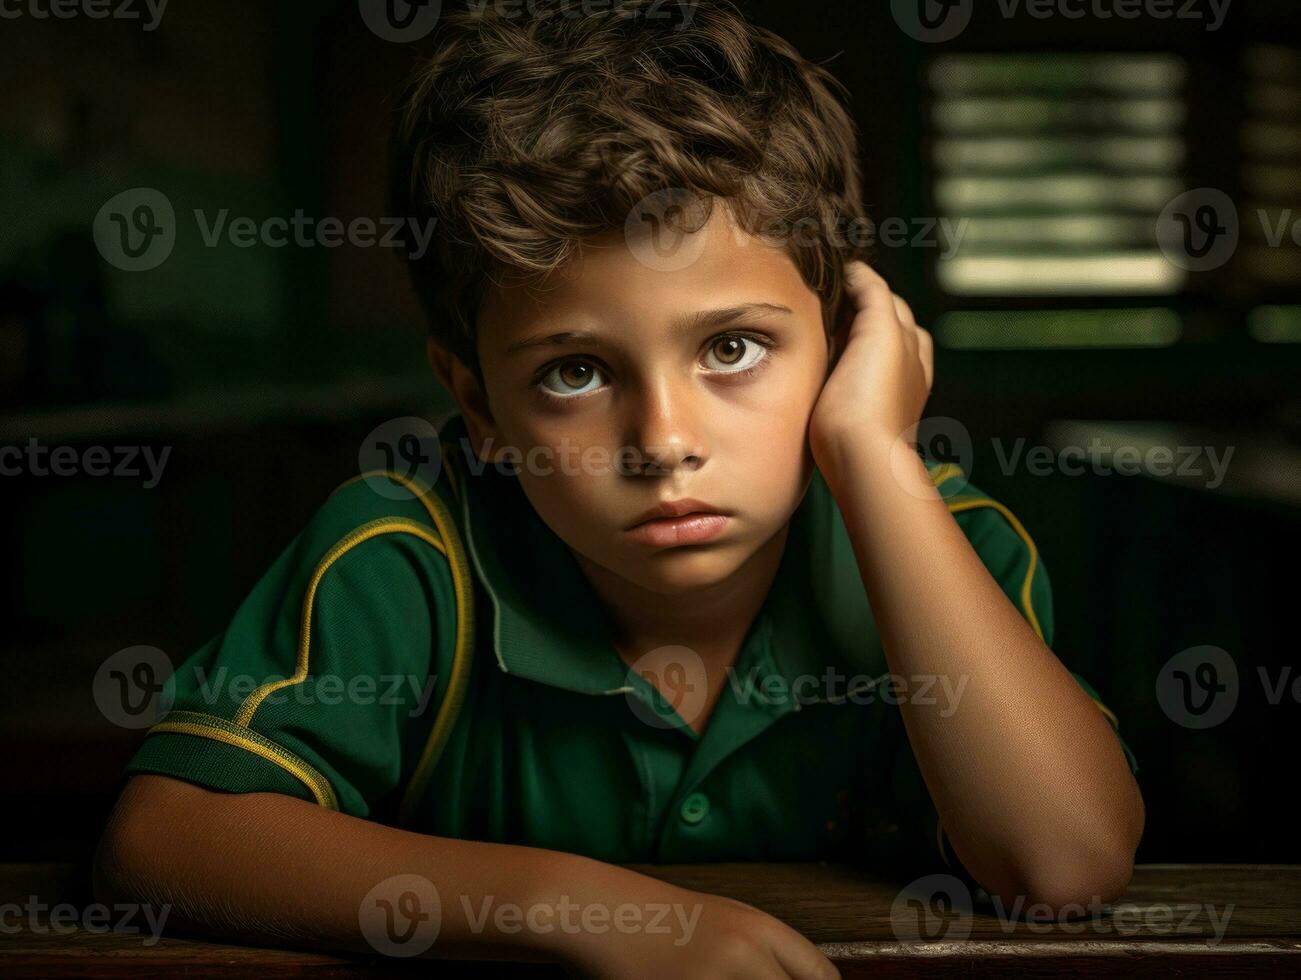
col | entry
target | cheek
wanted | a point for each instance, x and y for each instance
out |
(774, 454)
(567, 484)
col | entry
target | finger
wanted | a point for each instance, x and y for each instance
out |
(871, 295)
(903, 311)
(803, 960)
(926, 352)
(907, 325)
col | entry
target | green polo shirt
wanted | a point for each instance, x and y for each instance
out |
(437, 660)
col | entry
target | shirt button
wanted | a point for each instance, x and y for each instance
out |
(695, 808)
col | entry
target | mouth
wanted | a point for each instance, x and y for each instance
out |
(679, 522)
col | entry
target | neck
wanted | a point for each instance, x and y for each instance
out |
(712, 621)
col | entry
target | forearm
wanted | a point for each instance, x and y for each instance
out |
(263, 868)
(1031, 785)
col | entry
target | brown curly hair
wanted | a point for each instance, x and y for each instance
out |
(531, 130)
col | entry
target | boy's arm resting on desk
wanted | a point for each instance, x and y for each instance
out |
(269, 869)
(1033, 788)
(266, 868)
(1032, 785)
(254, 806)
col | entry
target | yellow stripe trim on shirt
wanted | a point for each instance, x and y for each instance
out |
(462, 587)
(1110, 715)
(458, 682)
(959, 504)
(945, 471)
(221, 730)
(372, 529)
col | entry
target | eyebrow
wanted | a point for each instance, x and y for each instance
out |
(685, 324)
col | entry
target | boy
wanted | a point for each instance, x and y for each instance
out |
(681, 585)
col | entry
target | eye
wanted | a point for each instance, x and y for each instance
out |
(738, 353)
(569, 379)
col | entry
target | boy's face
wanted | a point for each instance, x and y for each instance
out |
(715, 410)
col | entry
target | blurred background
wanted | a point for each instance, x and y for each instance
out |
(1095, 205)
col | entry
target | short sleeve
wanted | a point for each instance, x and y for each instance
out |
(326, 676)
(915, 843)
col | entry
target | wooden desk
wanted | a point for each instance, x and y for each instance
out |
(1189, 920)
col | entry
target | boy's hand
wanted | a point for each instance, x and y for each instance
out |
(880, 383)
(730, 939)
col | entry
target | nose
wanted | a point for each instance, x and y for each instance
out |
(666, 435)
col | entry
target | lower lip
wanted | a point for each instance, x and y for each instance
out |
(665, 532)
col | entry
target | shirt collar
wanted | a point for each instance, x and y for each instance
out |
(549, 625)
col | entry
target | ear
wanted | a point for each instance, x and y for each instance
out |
(470, 397)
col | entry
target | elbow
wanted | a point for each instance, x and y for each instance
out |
(1100, 871)
(114, 869)
(1083, 886)
(1074, 881)
(1063, 888)
(123, 855)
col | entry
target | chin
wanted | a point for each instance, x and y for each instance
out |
(678, 571)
